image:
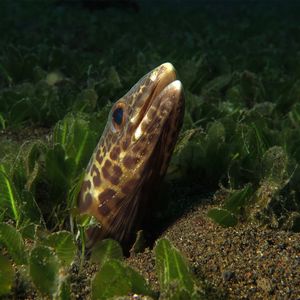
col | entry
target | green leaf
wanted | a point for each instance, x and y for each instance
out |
(238, 199)
(63, 244)
(9, 198)
(86, 100)
(222, 217)
(20, 111)
(111, 281)
(5, 74)
(74, 190)
(29, 231)
(6, 275)
(78, 137)
(260, 140)
(215, 135)
(60, 169)
(30, 209)
(138, 283)
(2, 122)
(64, 290)
(105, 250)
(13, 241)
(44, 269)
(140, 243)
(171, 267)
(115, 279)
(33, 159)
(217, 84)
(293, 222)
(275, 166)
(175, 292)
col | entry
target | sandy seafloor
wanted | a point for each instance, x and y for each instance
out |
(242, 262)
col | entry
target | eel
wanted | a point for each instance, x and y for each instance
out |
(132, 155)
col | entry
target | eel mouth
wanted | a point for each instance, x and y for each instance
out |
(164, 92)
(162, 76)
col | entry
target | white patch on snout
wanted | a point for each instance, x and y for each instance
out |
(175, 85)
(138, 133)
(153, 76)
(132, 120)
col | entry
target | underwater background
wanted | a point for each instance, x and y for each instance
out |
(230, 201)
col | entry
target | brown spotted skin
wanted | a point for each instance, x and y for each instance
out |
(132, 157)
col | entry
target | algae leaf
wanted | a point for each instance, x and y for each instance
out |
(59, 167)
(14, 243)
(172, 269)
(59, 173)
(44, 269)
(64, 290)
(105, 250)
(238, 199)
(31, 212)
(222, 217)
(275, 164)
(228, 214)
(6, 275)
(2, 121)
(32, 163)
(9, 198)
(115, 279)
(77, 136)
(63, 244)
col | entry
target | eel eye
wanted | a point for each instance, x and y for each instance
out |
(118, 116)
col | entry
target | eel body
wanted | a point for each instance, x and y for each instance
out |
(133, 154)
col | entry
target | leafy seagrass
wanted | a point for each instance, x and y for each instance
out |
(44, 269)
(6, 275)
(86, 100)
(63, 244)
(175, 277)
(232, 208)
(59, 169)
(31, 212)
(222, 217)
(274, 200)
(78, 135)
(105, 250)
(9, 200)
(11, 238)
(2, 122)
(116, 279)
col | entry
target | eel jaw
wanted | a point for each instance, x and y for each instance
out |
(151, 86)
(163, 90)
(163, 103)
(162, 76)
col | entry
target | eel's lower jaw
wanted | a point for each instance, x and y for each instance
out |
(170, 96)
(175, 88)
